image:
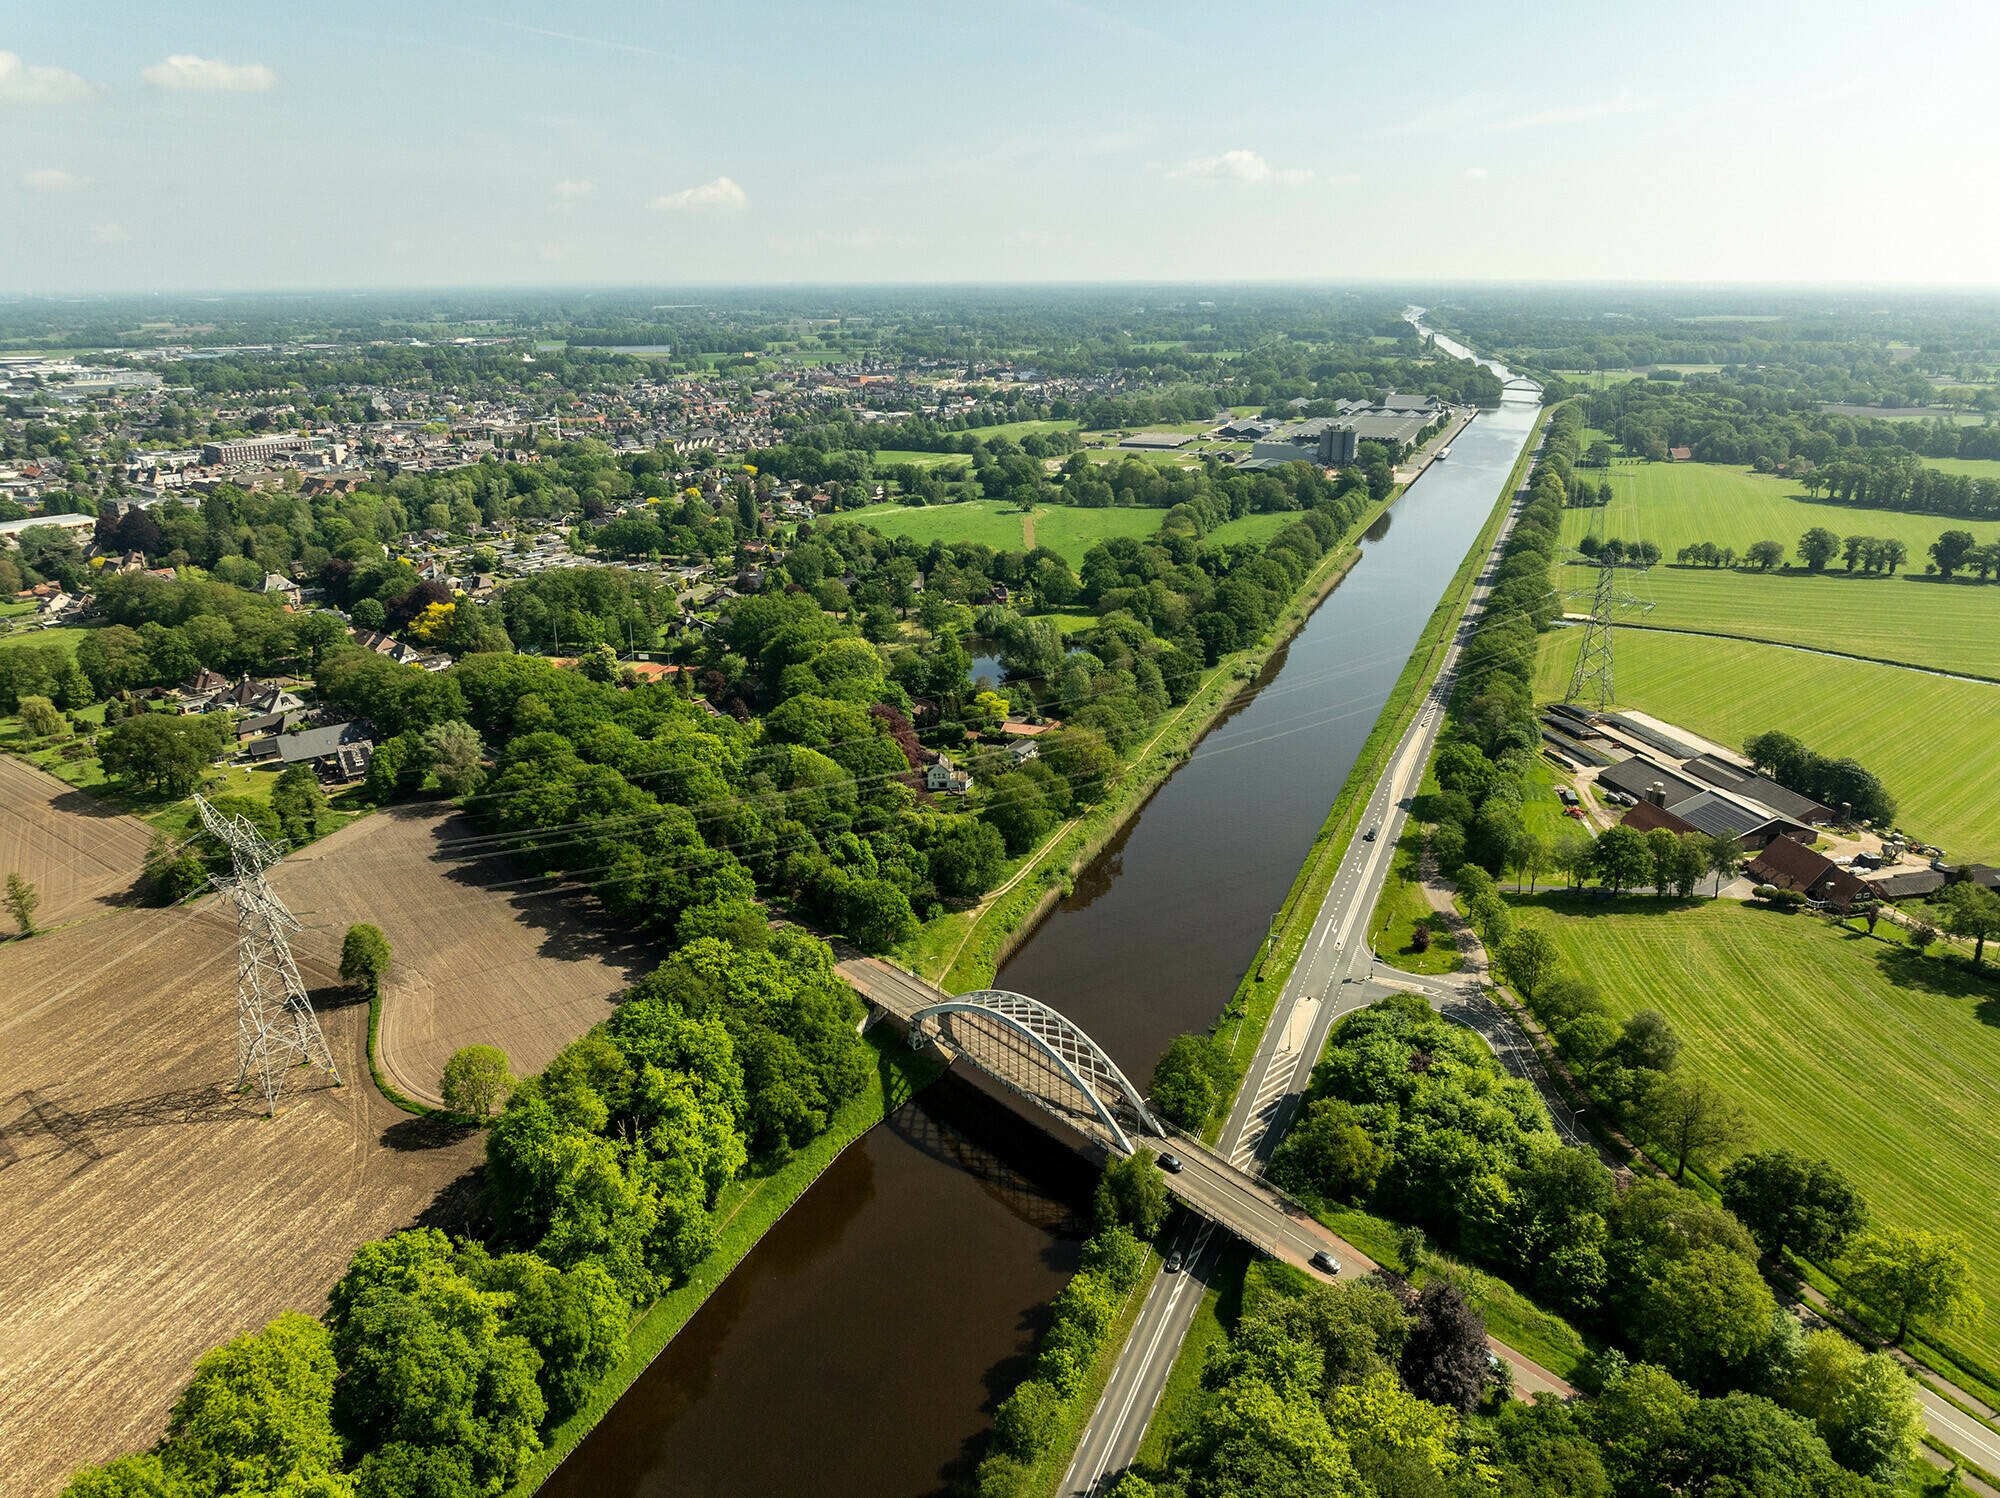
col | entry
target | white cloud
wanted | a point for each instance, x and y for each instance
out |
(1240, 166)
(1475, 174)
(211, 75)
(50, 179)
(572, 188)
(29, 83)
(722, 193)
(109, 233)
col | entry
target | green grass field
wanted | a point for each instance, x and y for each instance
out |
(1836, 1043)
(1930, 739)
(65, 635)
(890, 457)
(1907, 617)
(1067, 531)
(1973, 468)
(1019, 429)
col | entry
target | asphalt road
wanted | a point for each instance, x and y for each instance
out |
(1330, 979)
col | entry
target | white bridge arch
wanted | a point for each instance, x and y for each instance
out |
(1039, 1053)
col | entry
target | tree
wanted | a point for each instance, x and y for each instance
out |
(1621, 858)
(476, 1080)
(1793, 1205)
(453, 751)
(41, 718)
(1974, 911)
(1133, 1192)
(1817, 547)
(1764, 555)
(1444, 1359)
(1703, 1316)
(1647, 1043)
(1026, 1420)
(1951, 550)
(1862, 1404)
(256, 1416)
(365, 956)
(159, 752)
(22, 898)
(1188, 1080)
(300, 803)
(1900, 1276)
(1328, 1153)
(1528, 856)
(1690, 1115)
(1724, 856)
(1530, 958)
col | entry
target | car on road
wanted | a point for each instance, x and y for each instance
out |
(1173, 1263)
(1171, 1164)
(1325, 1262)
(1369, 835)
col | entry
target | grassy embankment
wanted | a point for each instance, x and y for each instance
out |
(1242, 1023)
(1837, 1044)
(963, 949)
(1929, 738)
(1906, 618)
(747, 1208)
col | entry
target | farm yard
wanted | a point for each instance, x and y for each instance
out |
(1906, 617)
(1836, 1043)
(484, 955)
(151, 1212)
(1925, 735)
(82, 856)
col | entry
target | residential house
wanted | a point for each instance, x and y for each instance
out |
(942, 775)
(1792, 865)
(338, 753)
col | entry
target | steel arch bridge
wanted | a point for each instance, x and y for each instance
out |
(1037, 1052)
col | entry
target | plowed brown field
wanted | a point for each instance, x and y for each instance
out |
(83, 857)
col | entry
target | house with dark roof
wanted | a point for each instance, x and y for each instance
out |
(338, 753)
(1704, 807)
(1792, 865)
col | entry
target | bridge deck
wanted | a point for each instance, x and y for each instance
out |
(1206, 1184)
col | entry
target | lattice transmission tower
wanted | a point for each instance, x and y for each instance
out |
(275, 1025)
(1593, 658)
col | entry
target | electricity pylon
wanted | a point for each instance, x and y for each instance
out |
(1593, 659)
(275, 1024)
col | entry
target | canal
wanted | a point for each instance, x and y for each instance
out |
(859, 1350)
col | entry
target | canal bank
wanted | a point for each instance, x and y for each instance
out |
(877, 1323)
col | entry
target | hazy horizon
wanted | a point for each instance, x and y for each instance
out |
(252, 149)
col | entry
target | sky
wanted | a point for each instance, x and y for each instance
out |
(241, 146)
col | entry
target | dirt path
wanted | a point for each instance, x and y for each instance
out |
(1028, 531)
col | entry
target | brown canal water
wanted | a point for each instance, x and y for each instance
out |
(859, 1350)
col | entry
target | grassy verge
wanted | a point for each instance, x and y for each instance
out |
(383, 1085)
(964, 949)
(1046, 1472)
(1392, 929)
(1181, 1399)
(1249, 1009)
(748, 1208)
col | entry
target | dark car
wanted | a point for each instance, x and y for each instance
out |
(1369, 835)
(1171, 1164)
(1173, 1263)
(1325, 1262)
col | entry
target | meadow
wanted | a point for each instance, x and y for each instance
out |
(64, 635)
(1837, 1044)
(1929, 738)
(1067, 531)
(1905, 617)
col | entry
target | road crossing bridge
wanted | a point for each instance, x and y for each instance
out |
(1034, 1051)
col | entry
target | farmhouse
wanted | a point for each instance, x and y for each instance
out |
(1702, 807)
(338, 753)
(1792, 865)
